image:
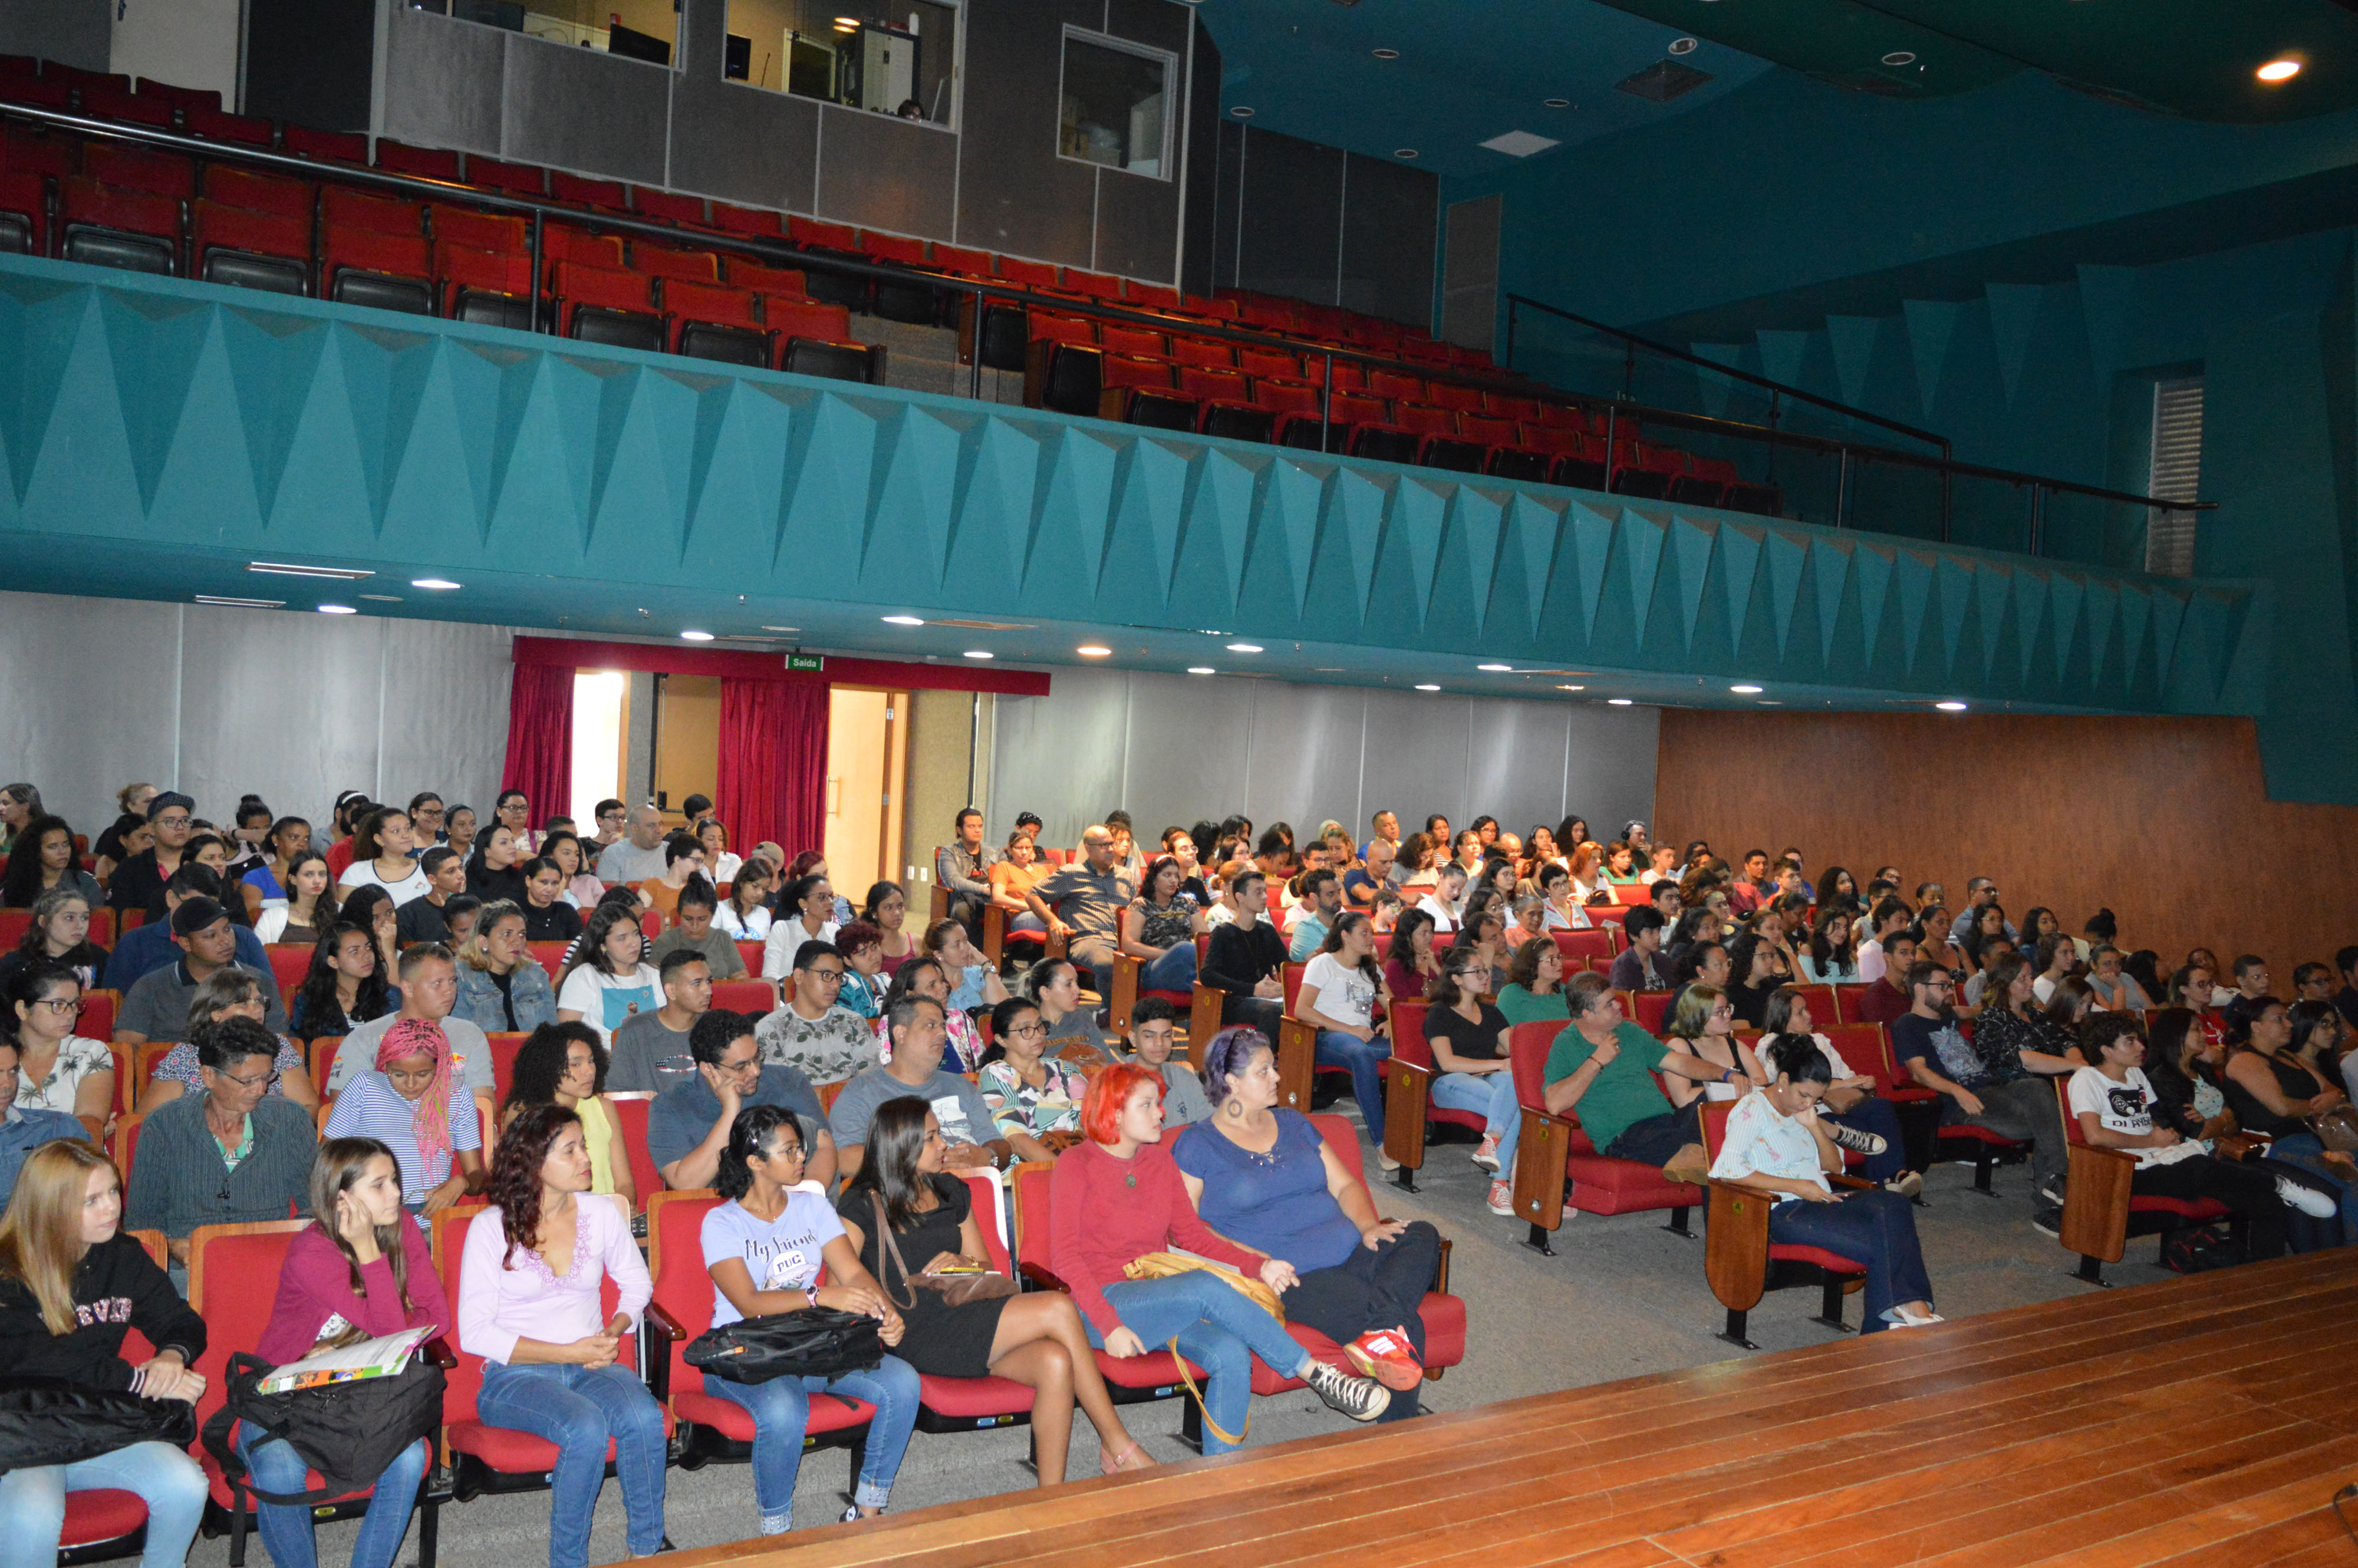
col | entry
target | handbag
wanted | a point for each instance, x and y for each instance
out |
(955, 1290)
(2337, 1129)
(819, 1342)
(1162, 1266)
(349, 1431)
(54, 1420)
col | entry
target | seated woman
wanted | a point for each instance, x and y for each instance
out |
(906, 1219)
(1854, 1117)
(1776, 1139)
(1036, 1100)
(2058, 960)
(2009, 1019)
(1483, 929)
(227, 992)
(344, 988)
(371, 909)
(974, 984)
(719, 863)
(963, 1050)
(360, 1270)
(308, 909)
(1832, 958)
(2273, 1088)
(1415, 863)
(805, 913)
(582, 888)
(742, 913)
(503, 990)
(2183, 1066)
(71, 1285)
(414, 1104)
(529, 1305)
(1411, 964)
(1752, 970)
(2112, 989)
(1585, 878)
(1115, 1198)
(41, 860)
(495, 870)
(1073, 1031)
(57, 1069)
(606, 979)
(1264, 1178)
(765, 1247)
(563, 1065)
(1012, 879)
(862, 945)
(888, 910)
(1566, 908)
(2114, 1103)
(1341, 987)
(1159, 927)
(58, 931)
(1467, 1037)
(1534, 988)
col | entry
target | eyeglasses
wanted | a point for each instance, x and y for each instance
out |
(268, 1081)
(172, 822)
(826, 977)
(61, 1008)
(1028, 1030)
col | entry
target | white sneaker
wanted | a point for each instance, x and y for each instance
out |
(1502, 1200)
(2308, 1200)
(1486, 1156)
(1385, 1162)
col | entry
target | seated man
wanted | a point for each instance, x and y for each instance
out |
(918, 1032)
(694, 933)
(1604, 1066)
(1889, 998)
(963, 867)
(1638, 968)
(430, 991)
(148, 947)
(1154, 1035)
(158, 1006)
(232, 1154)
(1990, 1089)
(688, 1126)
(424, 918)
(654, 1050)
(813, 1032)
(25, 1129)
(1322, 905)
(1083, 904)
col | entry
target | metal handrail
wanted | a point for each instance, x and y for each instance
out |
(1614, 410)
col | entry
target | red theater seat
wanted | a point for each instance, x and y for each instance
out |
(252, 250)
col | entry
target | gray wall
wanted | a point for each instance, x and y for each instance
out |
(1314, 222)
(310, 62)
(1179, 748)
(78, 33)
(994, 183)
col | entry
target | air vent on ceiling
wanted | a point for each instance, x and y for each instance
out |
(2175, 474)
(1521, 144)
(1663, 81)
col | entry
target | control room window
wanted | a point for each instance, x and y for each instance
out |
(1116, 105)
(902, 60)
(641, 29)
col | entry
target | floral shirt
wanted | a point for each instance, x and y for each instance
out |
(1053, 1107)
(830, 1048)
(965, 1043)
(179, 1064)
(77, 1057)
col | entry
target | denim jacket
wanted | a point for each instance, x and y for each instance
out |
(478, 997)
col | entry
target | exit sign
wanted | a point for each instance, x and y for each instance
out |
(813, 662)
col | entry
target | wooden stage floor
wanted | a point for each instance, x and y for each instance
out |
(2208, 1420)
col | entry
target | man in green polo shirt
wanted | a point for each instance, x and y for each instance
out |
(1604, 1066)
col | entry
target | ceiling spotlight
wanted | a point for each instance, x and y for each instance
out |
(1556, 103)
(1496, 669)
(227, 602)
(383, 598)
(439, 584)
(1244, 647)
(1687, 46)
(1901, 57)
(1746, 690)
(904, 620)
(1201, 670)
(696, 636)
(1241, 112)
(1406, 154)
(1571, 688)
(1093, 652)
(781, 628)
(1388, 54)
(1950, 707)
(978, 654)
(291, 569)
(1428, 688)
(2283, 69)
(1618, 701)
(337, 609)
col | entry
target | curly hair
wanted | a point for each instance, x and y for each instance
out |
(516, 1172)
(542, 1061)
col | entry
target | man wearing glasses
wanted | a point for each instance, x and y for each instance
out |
(139, 883)
(1992, 1090)
(813, 1030)
(232, 1154)
(688, 1125)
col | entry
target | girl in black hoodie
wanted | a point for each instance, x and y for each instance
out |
(71, 1284)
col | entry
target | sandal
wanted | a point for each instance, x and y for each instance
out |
(1115, 1463)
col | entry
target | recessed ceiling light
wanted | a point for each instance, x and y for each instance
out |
(696, 636)
(1901, 57)
(781, 628)
(1571, 688)
(904, 620)
(1241, 112)
(384, 597)
(1201, 670)
(2283, 69)
(1495, 668)
(978, 652)
(1618, 701)
(439, 584)
(1770, 702)
(1093, 652)
(1388, 54)
(1406, 152)
(1687, 46)
(1428, 688)
(1950, 707)
(337, 609)
(1556, 103)
(1746, 690)
(290, 569)
(1244, 647)
(228, 603)
(1520, 143)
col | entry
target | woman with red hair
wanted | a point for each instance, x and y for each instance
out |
(1116, 1197)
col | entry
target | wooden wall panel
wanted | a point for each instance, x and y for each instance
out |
(2165, 820)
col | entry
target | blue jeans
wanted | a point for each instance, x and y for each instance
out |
(578, 1409)
(1174, 971)
(1493, 1095)
(275, 1466)
(2302, 1149)
(1366, 1060)
(1219, 1329)
(781, 1412)
(1877, 1229)
(1879, 1117)
(33, 1503)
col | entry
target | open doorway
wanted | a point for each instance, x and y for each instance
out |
(867, 759)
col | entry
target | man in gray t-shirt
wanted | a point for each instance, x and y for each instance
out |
(650, 1049)
(919, 1033)
(1084, 904)
(429, 989)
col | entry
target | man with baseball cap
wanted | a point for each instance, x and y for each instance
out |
(138, 883)
(149, 947)
(158, 1006)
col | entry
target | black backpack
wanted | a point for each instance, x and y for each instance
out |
(819, 1342)
(348, 1432)
(53, 1421)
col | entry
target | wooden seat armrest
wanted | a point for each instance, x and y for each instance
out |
(1736, 1242)
(1855, 1184)
(1297, 1055)
(940, 910)
(1041, 1277)
(665, 1323)
(1441, 1274)
(1408, 1101)
(437, 1351)
(2096, 1201)
(1540, 1151)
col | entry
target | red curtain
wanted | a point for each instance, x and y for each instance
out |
(540, 739)
(773, 778)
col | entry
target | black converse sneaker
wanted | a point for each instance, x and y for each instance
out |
(1361, 1398)
(1851, 1137)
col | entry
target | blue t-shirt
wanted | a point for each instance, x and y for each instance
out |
(781, 1255)
(1275, 1202)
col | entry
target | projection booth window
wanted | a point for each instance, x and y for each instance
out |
(1116, 104)
(901, 61)
(639, 29)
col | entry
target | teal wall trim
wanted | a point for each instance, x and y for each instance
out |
(141, 416)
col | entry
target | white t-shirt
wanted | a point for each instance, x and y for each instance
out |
(1871, 961)
(1345, 994)
(784, 1254)
(727, 868)
(605, 1001)
(751, 927)
(2127, 1107)
(1445, 919)
(785, 939)
(362, 874)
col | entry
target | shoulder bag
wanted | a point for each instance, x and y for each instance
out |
(348, 1432)
(955, 1290)
(54, 1420)
(1162, 1266)
(817, 1342)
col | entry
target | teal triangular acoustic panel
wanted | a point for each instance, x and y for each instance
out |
(1690, 550)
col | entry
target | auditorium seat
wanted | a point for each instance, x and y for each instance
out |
(1064, 377)
(826, 284)
(919, 304)
(342, 207)
(131, 167)
(24, 213)
(254, 192)
(1130, 1379)
(753, 222)
(2101, 1213)
(709, 323)
(425, 163)
(1552, 1153)
(1223, 399)
(252, 250)
(581, 192)
(1138, 390)
(332, 146)
(134, 230)
(473, 231)
(509, 178)
(664, 206)
(1409, 1111)
(1742, 1264)
(765, 280)
(1259, 361)
(215, 126)
(814, 338)
(1210, 354)
(483, 287)
(383, 271)
(687, 266)
(599, 305)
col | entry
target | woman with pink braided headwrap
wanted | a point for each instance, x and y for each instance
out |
(413, 1106)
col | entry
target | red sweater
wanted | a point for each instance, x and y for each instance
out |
(1099, 1222)
(316, 1283)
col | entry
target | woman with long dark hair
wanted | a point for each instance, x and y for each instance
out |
(58, 931)
(528, 1304)
(308, 909)
(44, 860)
(380, 857)
(605, 980)
(343, 989)
(1410, 964)
(765, 1248)
(564, 1065)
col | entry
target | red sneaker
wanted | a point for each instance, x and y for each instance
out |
(1386, 1354)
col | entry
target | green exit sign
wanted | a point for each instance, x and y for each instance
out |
(814, 662)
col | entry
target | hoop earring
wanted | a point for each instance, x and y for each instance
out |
(1234, 1109)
